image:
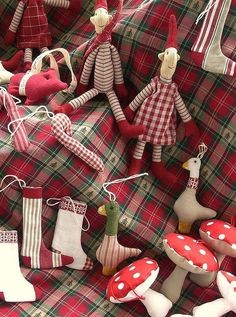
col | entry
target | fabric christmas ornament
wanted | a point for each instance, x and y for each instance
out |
(13, 286)
(20, 137)
(186, 207)
(68, 229)
(36, 84)
(62, 129)
(104, 58)
(110, 252)
(189, 255)
(6, 67)
(29, 25)
(155, 107)
(206, 50)
(133, 282)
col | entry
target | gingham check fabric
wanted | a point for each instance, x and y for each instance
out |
(146, 205)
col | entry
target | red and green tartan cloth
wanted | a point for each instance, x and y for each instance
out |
(147, 212)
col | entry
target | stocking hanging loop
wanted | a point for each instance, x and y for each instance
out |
(21, 182)
(202, 150)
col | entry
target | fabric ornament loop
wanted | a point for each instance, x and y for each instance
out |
(112, 196)
(49, 114)
(16, 179)
(210, 4)
(4, 93)
(202, 150)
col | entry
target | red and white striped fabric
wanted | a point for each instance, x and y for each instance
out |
(21, 141)
(158, 102)
(62, 129)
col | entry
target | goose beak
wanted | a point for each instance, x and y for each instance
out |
(102, 210)
(185, 165)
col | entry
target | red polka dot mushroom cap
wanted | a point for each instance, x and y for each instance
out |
(220, 236)
(189, 254)
(132, 281)
(227, 286)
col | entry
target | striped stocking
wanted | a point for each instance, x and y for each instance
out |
(206, 50)
(13, 286)
(34, 252)
(67, 234)
(136, 163)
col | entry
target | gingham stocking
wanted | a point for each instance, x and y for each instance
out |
(21, 141)
(206, 50)
(13, 286)
(62, 129)
(34, 252)
(67, 234)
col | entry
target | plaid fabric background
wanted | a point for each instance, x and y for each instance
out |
(146, 205)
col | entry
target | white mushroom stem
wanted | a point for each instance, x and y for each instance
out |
(206, 279)
(156, 304)
(172, 286)
(216, 308)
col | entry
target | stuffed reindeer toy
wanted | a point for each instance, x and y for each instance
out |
(30, 26)
(104, 58)
(155, 107)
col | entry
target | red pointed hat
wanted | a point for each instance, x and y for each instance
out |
(172, 35)
(101, 4)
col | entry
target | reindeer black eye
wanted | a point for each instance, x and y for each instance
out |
(195, 161)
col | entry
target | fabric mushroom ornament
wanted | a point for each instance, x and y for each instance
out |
(133, 282)
(220, 236)
(189, 255)
(62, 129)
(186, 207)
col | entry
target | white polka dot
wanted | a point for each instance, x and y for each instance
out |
(180, 237)
(112, 299)
(117, 279)
(210, 223)
(195, 241)
(234, 246)
(149, 262)
(136, 275)
(209, 233)
(227, 226)
(221, 236)
(132, 268)
(205, 266)
(203, 252)
(121, 286)
(190, 262)
(187, 248)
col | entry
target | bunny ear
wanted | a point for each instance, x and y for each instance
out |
(202, 150)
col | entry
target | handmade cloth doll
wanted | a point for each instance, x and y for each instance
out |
(157, 104)
(30, 25)
(108, 77)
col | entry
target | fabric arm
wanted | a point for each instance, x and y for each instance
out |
(139, 99)
(17, 17)
(88, 66)
(58, 3)
(181, 108)
(119, 79)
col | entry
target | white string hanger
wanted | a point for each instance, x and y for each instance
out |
(210, 4)
(202, 150)
(4, 93)
(112, 196)
(21, 182)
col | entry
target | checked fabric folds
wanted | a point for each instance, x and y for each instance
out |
(147, 212)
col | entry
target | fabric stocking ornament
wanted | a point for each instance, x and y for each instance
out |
(67, 234)
(34, 253)
(206, 50)
(21, 141)
(62, 129)
(13, 286)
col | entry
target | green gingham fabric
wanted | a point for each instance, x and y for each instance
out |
(146, 205)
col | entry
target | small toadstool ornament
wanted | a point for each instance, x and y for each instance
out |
(29, 26)
(155, 107)
(133, 283)
(104, 58)
(219, 236)
(186, 207)
(189, 255)
(110, 252)
(226, 283)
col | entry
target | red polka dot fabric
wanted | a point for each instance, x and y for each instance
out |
(220, 230)
(194, 251)
(130, 277)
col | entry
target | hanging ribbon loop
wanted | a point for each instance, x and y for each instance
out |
(202, 150)
(21, 182)
(210, 4)
(112, 196)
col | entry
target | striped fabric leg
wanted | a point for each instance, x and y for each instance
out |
(206, 50)
(156, 154)
(115, 106)
(58, 3)
(44, 49)
(28, 55)
(20, 137)
(81, 100)
(139, 149)
(136, 163)
(34, 252)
